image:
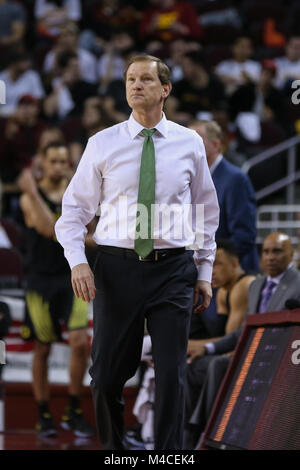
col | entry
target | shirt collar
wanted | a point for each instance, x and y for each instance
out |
(135, 127)
(278, 278)
(214, 165)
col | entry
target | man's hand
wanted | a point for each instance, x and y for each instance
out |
(27, 182)
(83, 282)
(202, 288)
(196, 348)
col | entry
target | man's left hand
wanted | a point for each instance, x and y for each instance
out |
(202, 288)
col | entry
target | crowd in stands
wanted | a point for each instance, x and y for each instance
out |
(231, 61)
(62, 63)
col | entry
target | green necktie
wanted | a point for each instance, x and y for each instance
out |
(143, 244)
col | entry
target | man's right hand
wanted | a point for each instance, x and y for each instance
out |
(83, 282)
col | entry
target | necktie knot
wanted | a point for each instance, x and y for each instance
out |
(270, 284)
(148, 132)
(266, 295)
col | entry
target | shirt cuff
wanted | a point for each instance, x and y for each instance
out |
(204, 272)
(210, 348)
(75, 258)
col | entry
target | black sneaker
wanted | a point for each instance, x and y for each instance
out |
(45, 426)
(73, 420)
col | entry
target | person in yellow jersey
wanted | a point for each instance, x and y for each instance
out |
(49, 296)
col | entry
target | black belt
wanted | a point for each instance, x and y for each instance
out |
(155, 255)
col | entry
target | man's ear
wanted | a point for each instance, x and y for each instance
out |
(167, 90)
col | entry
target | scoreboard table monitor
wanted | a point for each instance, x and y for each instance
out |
(258, 404)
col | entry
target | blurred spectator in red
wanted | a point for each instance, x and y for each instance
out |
(20, 136)
(52, 15)
(19, 80)
(288, 67)
(69, 91)
(240, 69)
(67, 41)
(12, 23)
(167, 20)
(199, 91)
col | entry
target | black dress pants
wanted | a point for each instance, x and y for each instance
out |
(127, 292)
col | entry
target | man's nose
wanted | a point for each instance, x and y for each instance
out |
(137, 84)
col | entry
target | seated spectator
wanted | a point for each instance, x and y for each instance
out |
(177, 49)
(199, 91)
(52, 15)
(12, 23)
(101, 19)
(94, 119)
(166, 20)
(21, 133)
(240, 69)
(268, 293)
(67, 41)
(19, 80)
(114, 94)
(69, 91)
(112, 63)
(288, 67)
(260, 98)
(48, 135)
(232, 284)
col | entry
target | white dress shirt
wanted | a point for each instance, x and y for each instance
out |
(108, 175)
(214, 165)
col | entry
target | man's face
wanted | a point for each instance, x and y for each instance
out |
(21, 66)
(223, 269)
(56, 163)
(277, 254)
(293, 49)
(266, 77)
(243, 50)
(67, 39)
(144, 89)
(189, 68)
(27, 113)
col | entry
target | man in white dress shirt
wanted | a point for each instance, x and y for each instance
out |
(140, 272)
